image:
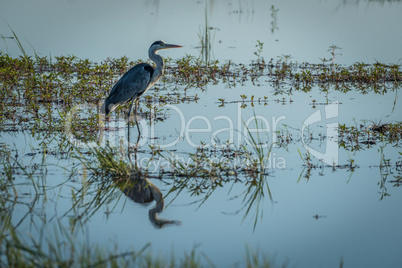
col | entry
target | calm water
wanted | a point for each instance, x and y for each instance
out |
(355, 223)
(365, 30)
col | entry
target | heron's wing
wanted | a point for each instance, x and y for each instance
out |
(131, 85)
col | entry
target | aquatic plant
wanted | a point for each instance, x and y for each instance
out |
(206, 39)
(50, 87)
(360, 137)
(261, 148)
(17, 250)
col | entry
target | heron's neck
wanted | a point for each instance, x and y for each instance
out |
(158, 72)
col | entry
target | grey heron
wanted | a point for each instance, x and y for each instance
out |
(136, 82)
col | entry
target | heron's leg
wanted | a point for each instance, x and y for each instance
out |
(129, 111)
(128, 119)
(136, 119)
(139, 133)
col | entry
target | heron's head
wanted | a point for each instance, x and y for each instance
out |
(159, 45)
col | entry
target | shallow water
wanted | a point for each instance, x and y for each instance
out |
(354, 221)
(316, 218)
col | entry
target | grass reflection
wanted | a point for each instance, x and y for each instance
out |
(110, 173)
(53, 243)
(203, 176)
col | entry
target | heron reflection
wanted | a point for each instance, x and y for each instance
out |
(142, 191)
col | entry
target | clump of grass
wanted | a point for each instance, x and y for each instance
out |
(261, 150)
(107, 163)
(206, 40)
(105, 174)
(17, 251)
(63, 250)
(258, 53)
(254, 258)
(359, 137)
(255, 192)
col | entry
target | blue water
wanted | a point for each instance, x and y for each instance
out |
(365, 30)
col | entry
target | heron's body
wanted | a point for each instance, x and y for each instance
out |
(131, 85)
(136, 81)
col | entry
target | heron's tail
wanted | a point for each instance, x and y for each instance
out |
(103, 109)
(107, 107)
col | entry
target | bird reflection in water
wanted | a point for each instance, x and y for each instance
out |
(142, 191)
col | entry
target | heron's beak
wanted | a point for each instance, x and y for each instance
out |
(166, 46)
